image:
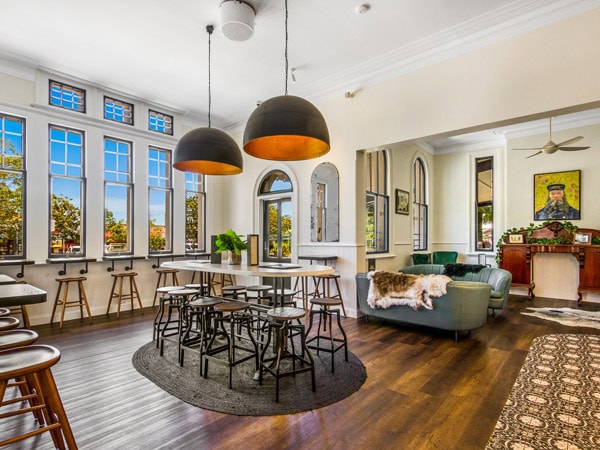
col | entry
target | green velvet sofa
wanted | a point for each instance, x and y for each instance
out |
(464, 307)
(498, 279)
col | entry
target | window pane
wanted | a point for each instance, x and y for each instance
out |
(66, 215)
(11, 213)
(66, 191)
(65, 96)
(484, 225)
(159, 220)
(275, 181)
(419, 206)
(118, 110)
(163, 123)
(117, 218)
(377, 235)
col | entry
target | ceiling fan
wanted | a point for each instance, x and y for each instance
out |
(551, 147)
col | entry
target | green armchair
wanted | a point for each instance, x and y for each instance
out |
(444, 257)
(421, 258)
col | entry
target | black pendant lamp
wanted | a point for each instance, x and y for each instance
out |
(286, 128)
(208, 151)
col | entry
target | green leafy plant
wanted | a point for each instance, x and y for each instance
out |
(230, 241)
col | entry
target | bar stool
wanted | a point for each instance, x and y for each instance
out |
(234, 292)
(34, 363)
(124, 296)
(201, 287)
(281, 325)
(198, 311)
(8, 323)
(4, 312)
(323, 287)
(287, 298)
(163, 275)
(21, 338)
(262, 292)
(163, 299)
(239, 319)
(221, 279)
(183, 295)
(64, 302)
(325, 313)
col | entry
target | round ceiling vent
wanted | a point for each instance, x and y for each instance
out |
(237, 20)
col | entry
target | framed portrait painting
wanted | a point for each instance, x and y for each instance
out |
(557, 195)
(402, 201)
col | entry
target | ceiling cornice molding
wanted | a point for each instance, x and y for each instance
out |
(511, 20)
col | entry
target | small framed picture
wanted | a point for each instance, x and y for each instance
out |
(583, 238)
(515, 239)
(402, 201)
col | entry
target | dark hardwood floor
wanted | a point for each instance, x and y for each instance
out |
(423, 391)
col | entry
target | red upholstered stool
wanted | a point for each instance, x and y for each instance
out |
(34, 364)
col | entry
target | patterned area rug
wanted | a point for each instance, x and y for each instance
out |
(248, 398)
(555, 402)
(567, 316)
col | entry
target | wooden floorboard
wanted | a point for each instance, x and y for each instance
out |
(423, 389)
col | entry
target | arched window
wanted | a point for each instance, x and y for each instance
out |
(419, 205)
(377, 198)
(274, 182)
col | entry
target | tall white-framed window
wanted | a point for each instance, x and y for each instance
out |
(377, 202)
(195, 212)
(160, 200)
(67, 191)
(12, 186)
(118, 196)
(420, 206)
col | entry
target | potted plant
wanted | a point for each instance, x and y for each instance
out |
(232, 242)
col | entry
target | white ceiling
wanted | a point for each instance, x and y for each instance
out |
(157, 50)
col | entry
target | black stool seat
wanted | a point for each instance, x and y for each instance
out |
(8, 323)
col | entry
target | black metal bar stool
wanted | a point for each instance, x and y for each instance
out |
(34, 362)
(201, 287)
(237, 316)
(163, 299)
(121, 296)
(235, 292)
(262, 293)
(163, 276)
(198, 331)
(323, 287)
(181, 323)
(281, 325)
(64, 302)
(325, 313)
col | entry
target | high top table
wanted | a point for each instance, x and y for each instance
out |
(277, 271)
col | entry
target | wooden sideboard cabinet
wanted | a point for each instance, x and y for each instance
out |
(518, 258)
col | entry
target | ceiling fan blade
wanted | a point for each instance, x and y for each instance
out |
(535, 154)
(571, 141)
(532, 148)
(572, 149)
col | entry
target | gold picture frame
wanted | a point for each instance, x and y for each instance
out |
(582, 238)
(402, 202)
(515, 239)
(557, 195)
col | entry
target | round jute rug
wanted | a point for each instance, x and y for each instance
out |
(247, 397)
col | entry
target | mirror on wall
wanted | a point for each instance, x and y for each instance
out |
(324, 206)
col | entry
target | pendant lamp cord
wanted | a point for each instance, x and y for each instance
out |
(209, 30)
(286, 47)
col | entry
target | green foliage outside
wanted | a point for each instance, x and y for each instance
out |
(11, 199)
(191, 220)
(66, 218)
(115, 230)
(157, 241)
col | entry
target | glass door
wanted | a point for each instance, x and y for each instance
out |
(277, 231)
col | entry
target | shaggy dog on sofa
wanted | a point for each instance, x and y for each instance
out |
(389, 288)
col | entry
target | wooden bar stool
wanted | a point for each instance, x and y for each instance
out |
(17, 338)
(323, 287)
(163, 275)
(64, 302)
(8, 323)
(4, 312)
(234, 292)
(222, 280)
(34, 363)
(121, 296)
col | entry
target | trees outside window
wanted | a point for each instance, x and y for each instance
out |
(118, 196)
(12, 184)
(160, 195)
(195, 212)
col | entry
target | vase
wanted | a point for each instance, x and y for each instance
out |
(235, 259)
